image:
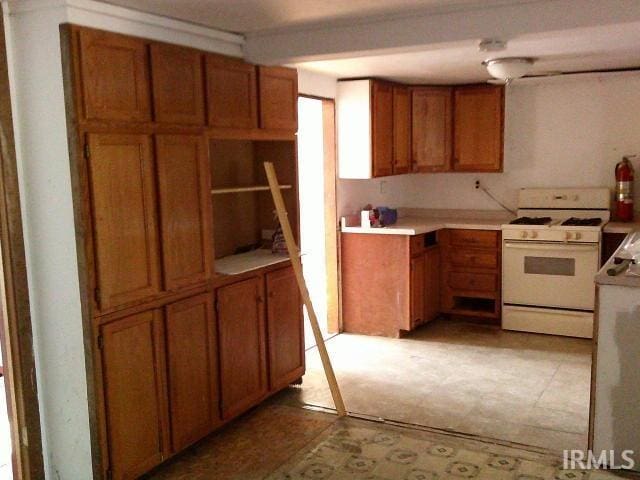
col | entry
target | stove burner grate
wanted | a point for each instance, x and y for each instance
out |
(531, 221)
(582, 222)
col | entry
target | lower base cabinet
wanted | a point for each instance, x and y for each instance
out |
(192, 373)
(134, 394)
(172, 375)
(285, 329)
(243, 355)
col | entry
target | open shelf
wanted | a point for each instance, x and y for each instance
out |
(253, 188)
(248, 261)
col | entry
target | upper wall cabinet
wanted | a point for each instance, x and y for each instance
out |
(382, 128)
(278, 98)
(431, 128)
(478, 128)
(365, 128)
(178, 92)
(231, 92)
(401, 129)
(114, 76)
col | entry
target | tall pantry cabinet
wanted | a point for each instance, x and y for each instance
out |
(178, 348)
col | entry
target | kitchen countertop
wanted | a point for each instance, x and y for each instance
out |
(622, 227)
(623, 279)
(416, 225)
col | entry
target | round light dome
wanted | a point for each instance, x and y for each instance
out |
(508, 68)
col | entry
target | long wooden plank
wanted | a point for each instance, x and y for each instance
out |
(294, 255)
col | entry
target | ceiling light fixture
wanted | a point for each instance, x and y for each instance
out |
(508, 68)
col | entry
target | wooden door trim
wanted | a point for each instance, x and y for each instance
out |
(16, 334)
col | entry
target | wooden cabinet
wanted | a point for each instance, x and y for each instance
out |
(185, 217)
(390, 283)
(431, 130)
(285, 329)
(191, 340)
(177, 81)
(401, 130)
(417, 290)
(243, 362)
(278, 87)
(478, 130)
(114, 76)
(123, 216)
(431, 283)
(382, 128)
(471, 280)
(134, 394)
(232, 93)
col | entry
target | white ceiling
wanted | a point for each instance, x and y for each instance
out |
(250, 16)
(586, 49)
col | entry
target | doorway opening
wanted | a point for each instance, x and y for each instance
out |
(318, 240)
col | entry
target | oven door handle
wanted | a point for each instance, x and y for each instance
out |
(564, 247)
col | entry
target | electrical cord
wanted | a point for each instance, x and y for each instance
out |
(490, 195)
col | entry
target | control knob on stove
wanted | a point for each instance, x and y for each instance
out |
(578, 235)
(567, 235)
(524, 234)
(534, 234)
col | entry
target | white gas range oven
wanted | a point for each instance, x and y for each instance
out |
(550, 256)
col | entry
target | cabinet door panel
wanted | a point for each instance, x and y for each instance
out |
(382, 128)
(232, 93)
(401, 130)
(192, 369)
(417, 291)
(284, 328)
(243, 369)
(479, 118)
(431, 129)
(178, 92)
(278, 98)
(185, 219)
(135, 401)
(431, 283)
(124, 218)
(115, 76)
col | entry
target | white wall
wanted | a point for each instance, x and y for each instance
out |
(316, 84)
(559, 131)
(33, 39)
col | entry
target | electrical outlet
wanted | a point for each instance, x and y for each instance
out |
(477, 184)
(383, 187)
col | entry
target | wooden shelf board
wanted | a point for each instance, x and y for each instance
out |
(252, 188)
(245, 262)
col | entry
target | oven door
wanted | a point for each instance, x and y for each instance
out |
(559, 275)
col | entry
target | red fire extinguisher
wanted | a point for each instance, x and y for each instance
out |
(624, 190)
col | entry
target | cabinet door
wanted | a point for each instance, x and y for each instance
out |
(431, 129)
(431, 283)
(231, 93)
(417, 290)
(134, 394)
(278, 98)
(121, 182)
(185, 220)
(479, 118)
(382, 128)
(178, 91)
(192, 369)
(284, 329)
(401, 130)
(243, 367)
(115, 76)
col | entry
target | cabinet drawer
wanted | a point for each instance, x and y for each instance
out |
(416, 244)
(479, 282)
(474, 259)
(474, 238)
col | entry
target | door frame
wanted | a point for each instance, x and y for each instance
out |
(331, 225)
(15, 330)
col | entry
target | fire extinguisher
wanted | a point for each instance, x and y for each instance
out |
(624, 189)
